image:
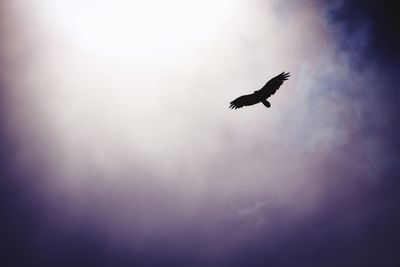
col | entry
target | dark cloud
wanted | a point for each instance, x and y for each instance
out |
(379, 22)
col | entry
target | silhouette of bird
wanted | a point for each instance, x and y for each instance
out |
(261, 95)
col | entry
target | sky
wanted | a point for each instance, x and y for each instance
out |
(117, 146)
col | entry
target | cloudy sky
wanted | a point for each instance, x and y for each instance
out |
(118, 147)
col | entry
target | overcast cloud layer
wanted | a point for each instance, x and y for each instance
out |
(118, 147)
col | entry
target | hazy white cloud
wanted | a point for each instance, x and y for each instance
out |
(126, 106)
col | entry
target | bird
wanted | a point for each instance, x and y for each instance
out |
(261, 95)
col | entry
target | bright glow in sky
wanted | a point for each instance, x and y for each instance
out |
(151, 30)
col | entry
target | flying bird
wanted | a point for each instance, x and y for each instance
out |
(261, 95)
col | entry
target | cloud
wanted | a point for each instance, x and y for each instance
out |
(112, 173)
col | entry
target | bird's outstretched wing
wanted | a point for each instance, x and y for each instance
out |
(273, 85)
(244, 100)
